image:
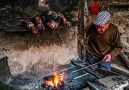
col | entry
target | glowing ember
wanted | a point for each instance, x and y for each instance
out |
(55, 80)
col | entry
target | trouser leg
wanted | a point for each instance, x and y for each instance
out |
(105, 65)
(102, 65)
(91, 61)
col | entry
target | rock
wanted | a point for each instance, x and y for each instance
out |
(5, 87)
(4, 69)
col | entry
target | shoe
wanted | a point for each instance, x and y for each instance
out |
(39, 23)
(31, 27)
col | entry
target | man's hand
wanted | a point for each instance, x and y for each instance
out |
(107, 58)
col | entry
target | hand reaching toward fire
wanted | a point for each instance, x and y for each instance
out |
(107, 58)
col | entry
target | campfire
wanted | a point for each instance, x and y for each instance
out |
(73, 76)
(79, 76)
(55, 80)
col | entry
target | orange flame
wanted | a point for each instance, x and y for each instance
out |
(55, 80)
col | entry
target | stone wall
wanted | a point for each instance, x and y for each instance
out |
(41, 53)
(34, 53)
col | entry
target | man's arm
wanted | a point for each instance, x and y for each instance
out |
(117, 47)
